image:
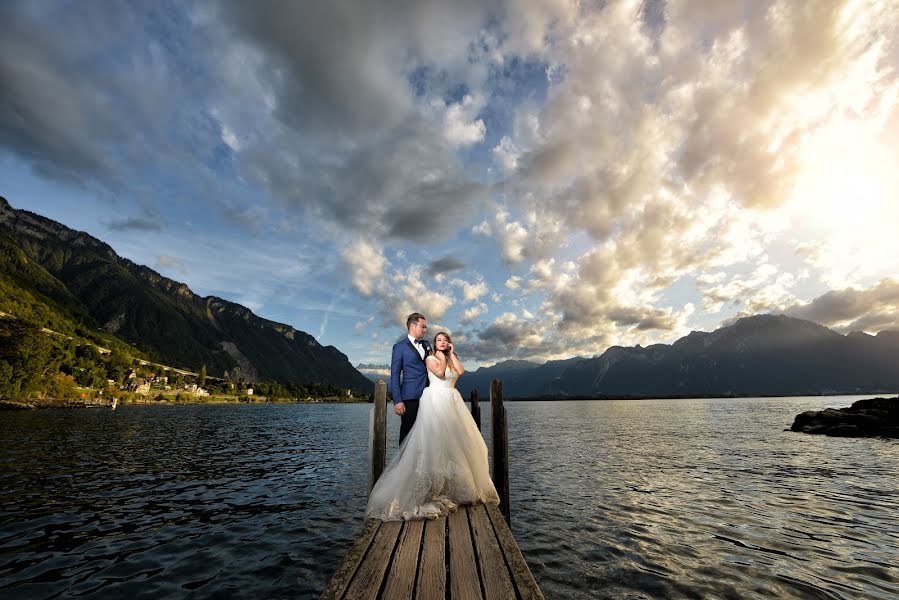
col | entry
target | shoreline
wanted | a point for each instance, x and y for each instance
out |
(693, 396)
(52, 403)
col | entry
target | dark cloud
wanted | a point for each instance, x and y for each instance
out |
(872, 309)
(349, 141)
(447, 264)
(52, 112)
(135, 224)
(644, 318)
(109, 97)
(343, 68)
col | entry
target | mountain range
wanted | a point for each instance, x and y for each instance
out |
(758, 355)
(70, 280)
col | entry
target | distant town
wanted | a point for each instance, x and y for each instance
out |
(40, 367)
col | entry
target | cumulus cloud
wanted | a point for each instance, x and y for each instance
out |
(461, 127)
(609, 150)
(367, 264)
(534, 236)
(349, 141)
(871, 309)
(471, 290)
(398, 287)
(681, 184)
(472, 313)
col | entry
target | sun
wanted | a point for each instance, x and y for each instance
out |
(848, 180)
(846, 201)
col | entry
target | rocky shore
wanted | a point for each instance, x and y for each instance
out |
(874, 417)
(10, 405)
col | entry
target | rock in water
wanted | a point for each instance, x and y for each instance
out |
(865, 418)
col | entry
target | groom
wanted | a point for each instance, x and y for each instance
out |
(408, 374)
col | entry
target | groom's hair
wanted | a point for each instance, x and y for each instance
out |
(413, 318)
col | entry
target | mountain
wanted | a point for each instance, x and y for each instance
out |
(520, 378)
(63, 277)
(758, 355)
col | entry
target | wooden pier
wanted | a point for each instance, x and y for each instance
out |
(467, 555)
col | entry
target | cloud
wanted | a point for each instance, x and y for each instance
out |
(608, 150)
(688, 143)
(471, 290)
(367, 265)
(372, 369)
(870, 309)
(397, 286)
(135, 224)
(168, 262)
(534, 236)
(347, 139)
(461, 128)
(470, 314)
(447, 264)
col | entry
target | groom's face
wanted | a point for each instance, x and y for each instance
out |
(417, 330)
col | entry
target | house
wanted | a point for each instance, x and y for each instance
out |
(140, 386)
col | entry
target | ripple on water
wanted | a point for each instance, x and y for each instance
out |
(640, 499)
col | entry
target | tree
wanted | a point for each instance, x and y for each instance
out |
(62, 387)
(202, 379)
(27, 358)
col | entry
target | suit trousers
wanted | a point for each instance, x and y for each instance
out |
(407, 420)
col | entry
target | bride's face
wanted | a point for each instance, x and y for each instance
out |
(441, 342)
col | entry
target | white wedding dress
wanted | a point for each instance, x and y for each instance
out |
(440, 465)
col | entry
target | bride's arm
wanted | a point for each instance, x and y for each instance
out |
(436, 364)
(457, 364)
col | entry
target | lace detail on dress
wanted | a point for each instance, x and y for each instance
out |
(447, 381)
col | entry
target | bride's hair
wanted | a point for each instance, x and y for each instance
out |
(449, 364)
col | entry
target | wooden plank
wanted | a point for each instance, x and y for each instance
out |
(378, 437)
(500, 445)
(368, 579)
(521, 574)
(351, 561)
(463, 571)
(432, 568)
(401, 578)
(494, 574)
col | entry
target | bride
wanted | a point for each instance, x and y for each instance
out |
(442, 463)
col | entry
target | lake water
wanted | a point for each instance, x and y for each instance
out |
(615, 499)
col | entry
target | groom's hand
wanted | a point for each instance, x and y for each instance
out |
(399, 408)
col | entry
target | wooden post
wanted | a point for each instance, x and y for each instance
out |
(378, 436)
(475, 409)
(500, 443)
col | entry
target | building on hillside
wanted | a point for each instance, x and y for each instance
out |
(139, 386)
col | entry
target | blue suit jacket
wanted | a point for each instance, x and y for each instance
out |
(408, 373)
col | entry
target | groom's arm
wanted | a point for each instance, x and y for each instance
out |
(396, 366)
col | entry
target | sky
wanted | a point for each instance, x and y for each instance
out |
(542, 179)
